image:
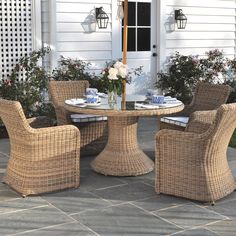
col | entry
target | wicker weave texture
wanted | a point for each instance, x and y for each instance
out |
(206, 97)
(42, 159)
(122, 155)
(93, 134)
(193, 165)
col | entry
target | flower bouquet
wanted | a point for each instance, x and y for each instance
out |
(112, 78)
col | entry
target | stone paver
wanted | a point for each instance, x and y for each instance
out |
(106, 205)
(125, 220)
(189, 215)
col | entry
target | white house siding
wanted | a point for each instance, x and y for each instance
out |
(45, 27)
(70, 38)
(211, 24)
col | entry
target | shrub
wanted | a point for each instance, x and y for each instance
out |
(184, 72)
(75, 69)
(27, 84)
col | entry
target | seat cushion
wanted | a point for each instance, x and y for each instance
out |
(176, 120)
(77, 118)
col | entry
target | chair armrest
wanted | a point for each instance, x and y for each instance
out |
(54, 140)
(203, 116)
(40, 122)
(196, 126)
(175, 144)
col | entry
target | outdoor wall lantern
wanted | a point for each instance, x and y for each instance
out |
(102, 18)
(181, 19)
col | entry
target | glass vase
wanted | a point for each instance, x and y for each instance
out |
(112, 98)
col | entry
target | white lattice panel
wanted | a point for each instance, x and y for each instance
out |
(16, 33)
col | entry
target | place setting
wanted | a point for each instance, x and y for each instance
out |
(92, 98)
(155, 101)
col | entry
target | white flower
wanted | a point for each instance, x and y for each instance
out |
(123, 71)
(113, 72)
(118, 64)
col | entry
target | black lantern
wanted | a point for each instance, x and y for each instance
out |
(102, 18)
(181, 19)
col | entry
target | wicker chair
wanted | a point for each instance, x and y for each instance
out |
(194, 165)
(93, 133)
(41, 159)
(207, 97)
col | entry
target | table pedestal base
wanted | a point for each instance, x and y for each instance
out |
(122, 155)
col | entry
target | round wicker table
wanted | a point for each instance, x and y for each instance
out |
(122, 155)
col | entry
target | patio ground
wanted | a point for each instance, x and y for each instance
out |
(105, 205)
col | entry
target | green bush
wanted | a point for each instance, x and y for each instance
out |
(75, 69)
(183, 73)
(28, 84)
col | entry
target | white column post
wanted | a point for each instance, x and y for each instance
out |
(52, 33)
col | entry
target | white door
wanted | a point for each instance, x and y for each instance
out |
(142, 43)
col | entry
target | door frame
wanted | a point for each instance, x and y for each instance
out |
(160, 33)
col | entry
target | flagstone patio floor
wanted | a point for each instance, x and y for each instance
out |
(105, 205)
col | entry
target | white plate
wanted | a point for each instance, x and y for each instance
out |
(166, 105)
(75, 101)
(92, 104)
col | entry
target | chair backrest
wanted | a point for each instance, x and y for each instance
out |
(62, 90)
(13, 118)
(223, 127)
(210, 96)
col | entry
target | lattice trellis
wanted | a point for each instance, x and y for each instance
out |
(16, 33)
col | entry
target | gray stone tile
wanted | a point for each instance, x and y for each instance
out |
(128, 192)
(125, 220)
(68, 229)
(5, 146)
(8, 194)
(150, 182)
(231, 153)
(31, 219)
(90, 180)
(189, 215)
(159, 202)
(224, 228)
(197, 232)
(149, 177)
(21, 204)
(75, 201)
(226, 208)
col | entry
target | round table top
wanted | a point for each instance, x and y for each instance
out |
(105, 110)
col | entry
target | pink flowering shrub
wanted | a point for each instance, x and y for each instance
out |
(183, 73)
(27, 84)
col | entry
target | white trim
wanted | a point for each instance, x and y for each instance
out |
(53, 35)
(36, 25)
(116, 37)
(161, 34)
(235, 30)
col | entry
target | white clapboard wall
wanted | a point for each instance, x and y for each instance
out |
(70, 40)
(211, 24)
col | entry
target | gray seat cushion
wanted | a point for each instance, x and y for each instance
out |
(176, 120)
(78, 118)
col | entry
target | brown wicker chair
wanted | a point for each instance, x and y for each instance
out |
(41, 159)
(206, 97)
(194, 165)
(93, 134)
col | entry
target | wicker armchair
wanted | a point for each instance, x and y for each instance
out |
(41, 159)
(93, 134)
(207, 97)
(194, 165)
